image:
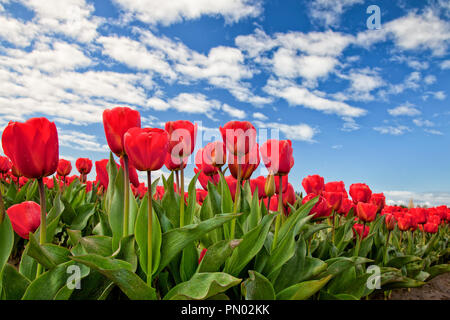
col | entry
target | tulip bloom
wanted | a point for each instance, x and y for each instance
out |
(5, 165)
(277, 156)
(201, 195)
(379, 200)
(174, 163)
(202, 162)
(32, 147)
(25, 218)
(346, 206)
(182, 136)
(247, 164)
(116, 123)
(132, 173)
(232, 185)
(334, 199)
(64, 168)
(204, 179)
(360, 192)
(366, 212)
(390, 221)
(202, 254)
(259, 183)
(215, 154)
(146, 148)
(321, 208)
(336, 186)
(313, 184)
(431, 227)
(239, 137)
(404, 223)
(358, 230)
(84, 167)
(102, 172)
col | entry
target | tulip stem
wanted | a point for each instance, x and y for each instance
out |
(268, 205)
(237, 198)
(150, 229)
(182, 198)
(43, 225)
(126, 196)
(386, 247)
(177, 176)
(280, 209)
(333, 226)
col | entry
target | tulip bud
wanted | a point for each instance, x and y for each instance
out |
(269, 187)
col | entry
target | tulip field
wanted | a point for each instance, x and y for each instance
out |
(239, 237)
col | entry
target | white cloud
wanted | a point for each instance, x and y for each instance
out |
(396, 131)
(404, 110)
(433, 131)
(80, 141)
(17, 32)
(299, 96)
(423, 123)
(299, 132)
(234, 112)
(260, 116)
(328, 12)
(445, 64)
(428, 199)
(430, 79)
(412, 32)
(169, 12)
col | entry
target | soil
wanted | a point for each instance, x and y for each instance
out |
(437, 288)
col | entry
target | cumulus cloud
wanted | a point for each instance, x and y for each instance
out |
(404, 110)
(429, 199)
(392, 130)
(298, 132)
(328, 12)
(169, 12)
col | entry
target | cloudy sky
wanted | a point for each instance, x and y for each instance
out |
(359, 104)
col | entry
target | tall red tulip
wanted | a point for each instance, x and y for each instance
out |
(102, 172)
(259, 183)
(366, 212)
(215, 154)
(277, 156)
(32, 147)
(204, 179)
(64, 167)
(379, 200)
(361, 230)
(321, 208)
(360, 192)
(84, 165)
(202, 162)
(25, 218)
(5, 165)
(182, 137)
(116, 123)
(336, 186)
(313, 184)
(239, 137)
(247, 164)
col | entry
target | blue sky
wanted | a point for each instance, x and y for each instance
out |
(360, 105)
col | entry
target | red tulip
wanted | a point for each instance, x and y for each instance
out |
(132, 173)
(358, 229)
(146, 148)
(201, 195)
(5, 165)
(289, 197)
(64, 167)
(259, 183)
(431, 227)
(420, 214)
(390, 221)
(215, 154)
(15, 171)
(366, 212)
(321, 208)
(159, 194)
(249, 163)
(313, 184)
(360, 192)
(203, 179)
(284, 183)
(334, 199)
(379, 200)
(239, 137)
(84, 165)
(175, 163)
(404, 223)
(102, 172)
(202, 254)
(25, 217)
(346, 206)
(49, 182)
(116, 122)
(182, 136)
(273, 203)
(277, 156)
(32, 147)
(202, 162)
(336, 186)
(232, 185)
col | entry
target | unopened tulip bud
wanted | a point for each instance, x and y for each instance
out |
(269, 187)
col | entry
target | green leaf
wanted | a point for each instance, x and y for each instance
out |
(257, 287)
(189, 262)
(175, 240)
(116, 209)
(141, 237)
(202, 286)
(438, 269)
(101, 245)
(127, 251)
(6, 242)
(216, 255)
(120, 272)
(398, 262)
(303, 290)
(171, 202)
(251, 244)
(84, 213)
(49, 284)
(340, 264)
(14, 284)
(49, 255)
(192, 201)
